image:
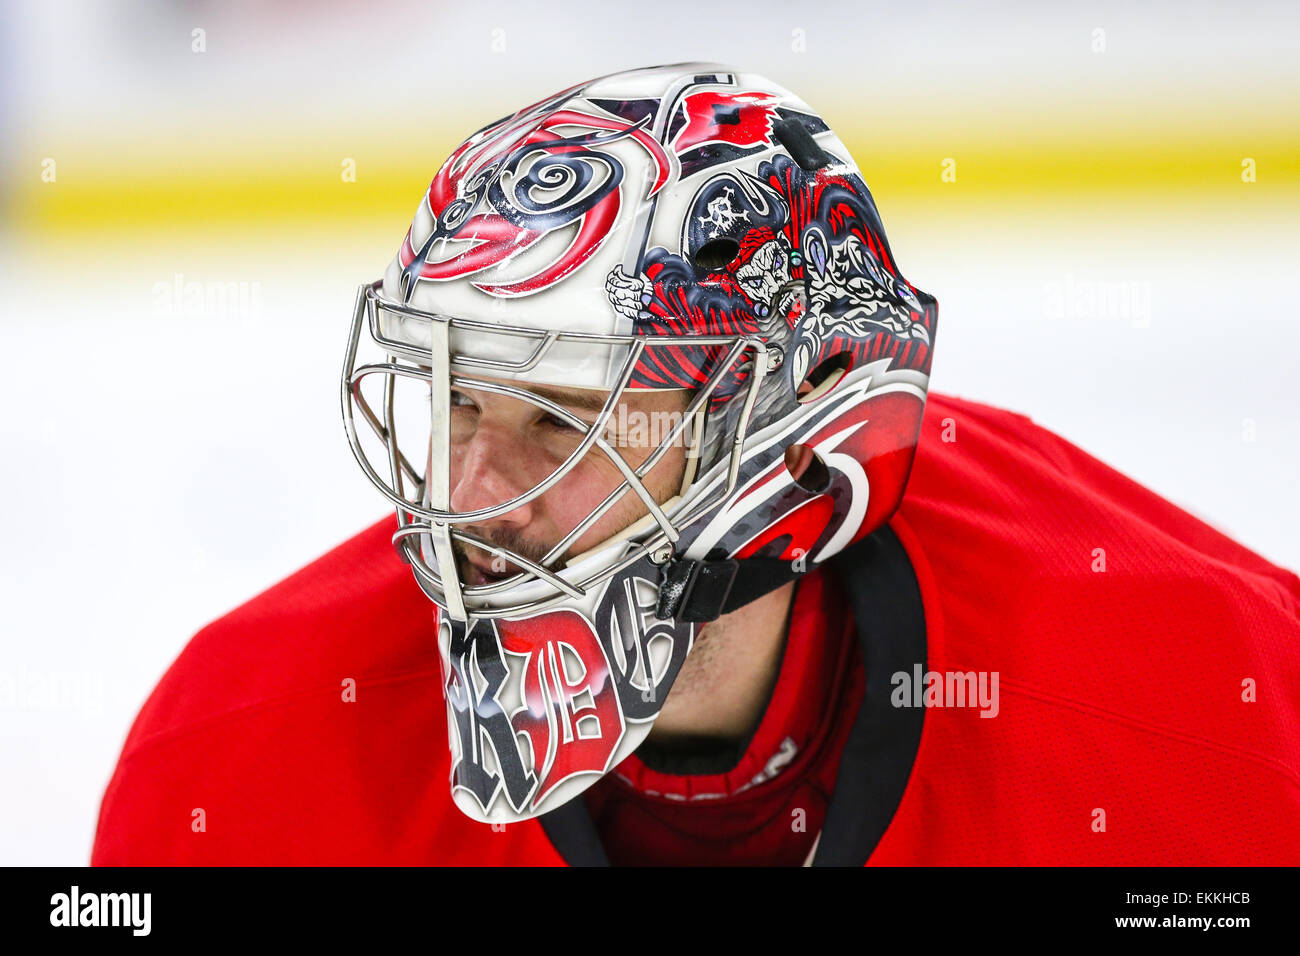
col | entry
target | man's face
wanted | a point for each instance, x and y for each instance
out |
(502, 447)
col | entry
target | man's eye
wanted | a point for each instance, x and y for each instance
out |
(461, 400)
(555, 421)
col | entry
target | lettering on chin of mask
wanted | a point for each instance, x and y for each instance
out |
(535, 703)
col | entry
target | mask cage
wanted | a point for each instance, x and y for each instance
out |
(425, 512)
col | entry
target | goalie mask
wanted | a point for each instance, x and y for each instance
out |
(643, 356)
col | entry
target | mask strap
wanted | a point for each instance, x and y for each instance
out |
(702, 591)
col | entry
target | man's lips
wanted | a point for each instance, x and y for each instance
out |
(476, 574)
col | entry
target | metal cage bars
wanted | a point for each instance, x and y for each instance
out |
(438, 519)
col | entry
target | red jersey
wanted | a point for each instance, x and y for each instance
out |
(1050, 665)
(763, 802)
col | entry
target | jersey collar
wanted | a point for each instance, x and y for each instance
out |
(878, 757)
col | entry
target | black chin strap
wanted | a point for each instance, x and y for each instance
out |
(699, 591)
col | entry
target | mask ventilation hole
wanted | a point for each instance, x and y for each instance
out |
(716, 253)
(794, 136)
(823, 378)
(807, 468)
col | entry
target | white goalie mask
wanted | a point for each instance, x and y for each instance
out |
(672, 282)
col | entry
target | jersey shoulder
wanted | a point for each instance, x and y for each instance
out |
(1145, 662)
(298, 636)
(254, 718)
(1082, 587)
(997, 474)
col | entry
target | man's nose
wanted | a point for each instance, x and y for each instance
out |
(490, 469)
